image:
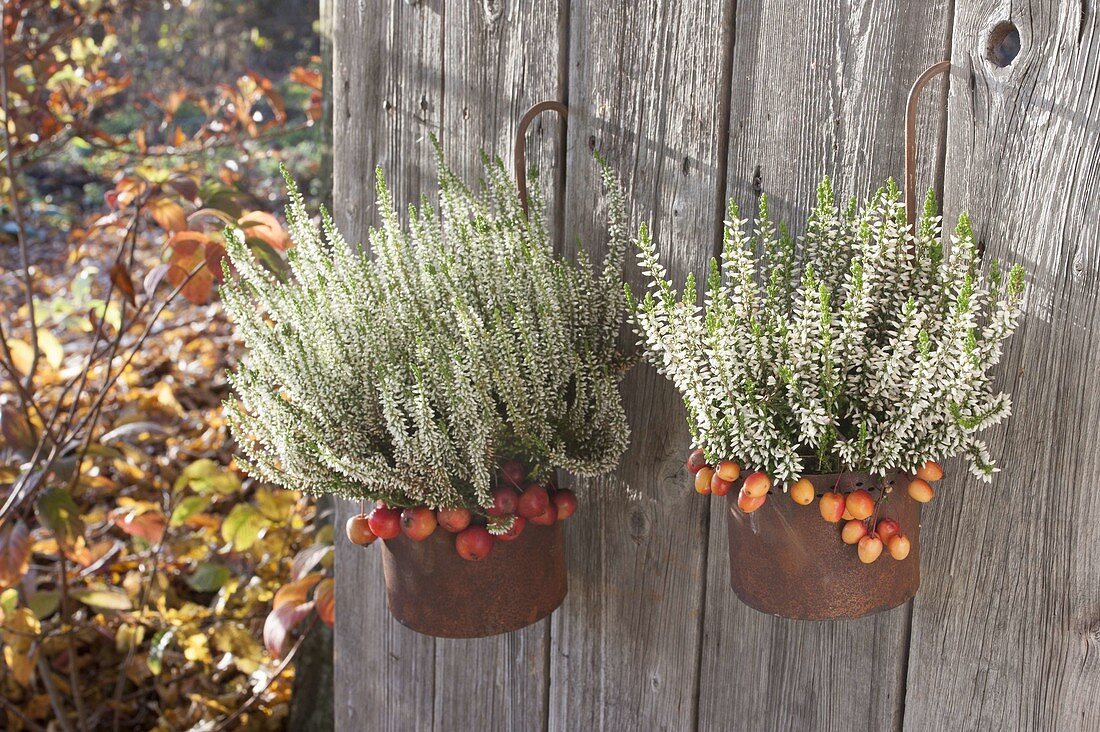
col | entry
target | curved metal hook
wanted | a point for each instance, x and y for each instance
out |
(911, 138)
(521, 143)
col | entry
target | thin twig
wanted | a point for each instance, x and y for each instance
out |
(66, 616)
(54, 695)
(17, 210)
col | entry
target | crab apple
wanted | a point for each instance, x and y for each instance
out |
(518, 522)
(930, 471)
(703, 479)
(756, 485)
(474, 543)
(533, 501)
(887, 529)
(453, 520)
(548, 517)
(847, 515)
(860, 504)
(504, 502)
(718, 486)
(802, 492)
(696, 461)
(853, 531)
(898, 546)
(748, 503)
(358, 530)
(566, 503)
(513, 472)
(869, 549)
(418, 523)
(920, 490)
(831, 506)
(728, 471)
(385, 522)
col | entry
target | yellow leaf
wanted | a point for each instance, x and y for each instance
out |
(51, 348)
(196, 648)
(21, 664)
(168, 214)
(22, 355)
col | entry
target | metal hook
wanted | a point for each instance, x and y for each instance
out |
(521, 143)
(911, 138)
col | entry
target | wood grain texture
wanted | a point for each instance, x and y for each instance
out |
(500, 57)
(387, 97)
(1006, 633)
(827, 100)
(644, 91)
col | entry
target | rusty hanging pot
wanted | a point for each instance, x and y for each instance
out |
(434, 591)
(788, 561)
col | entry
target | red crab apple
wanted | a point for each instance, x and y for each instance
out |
(474, 543)
(504, 502)
(860, 504)
(831, 506)
(513, 472)
(418, 523)
(453, 520)
(920, 491)
(702, 481)
(853, 532)
(931, 471)
(358, 530)
(802, 492)
(718, 486)
(898, 546)
(549, 517)
(385, 522)
(566, 503)
(870, 547)
(756, 485)
(728, 471)
(887, 529)
(748, 503)
(533, 501)
(518, 522)
(696, 462)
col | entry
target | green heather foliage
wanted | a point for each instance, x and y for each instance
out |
(405, 375)
(861, 346)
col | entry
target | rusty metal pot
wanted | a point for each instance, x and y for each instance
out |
(434, 591)
(787, 561)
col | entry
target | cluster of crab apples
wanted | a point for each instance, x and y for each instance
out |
(514, 497)
(854, 511)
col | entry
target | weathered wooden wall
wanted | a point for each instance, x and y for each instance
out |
(691, 101)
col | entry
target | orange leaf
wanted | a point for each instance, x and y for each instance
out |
(309, 77)
(266, 228)
(120, 277)
(295, 592)
(168, 214)
(15, 553)
(325, 602)
(149, 525)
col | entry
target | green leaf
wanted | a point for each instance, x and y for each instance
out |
(9, 600)
(187, 508)
(243, 525)
(108, 598)
(43, 604)
(206, 476)
(58, 513)
(159, 645)
(208, 577)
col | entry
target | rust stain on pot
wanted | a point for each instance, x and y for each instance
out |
(434, 591)
(788, 561)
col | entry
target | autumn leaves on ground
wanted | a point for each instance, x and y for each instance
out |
(145, 582)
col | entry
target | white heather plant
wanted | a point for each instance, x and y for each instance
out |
(407, 374)
(862, 346)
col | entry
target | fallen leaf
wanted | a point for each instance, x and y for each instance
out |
(107, 598)
(15, 553)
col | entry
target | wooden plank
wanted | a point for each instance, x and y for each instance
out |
(828, 99)
(1006, 633)
(500, 58)
(387, 97)
(645, 91)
